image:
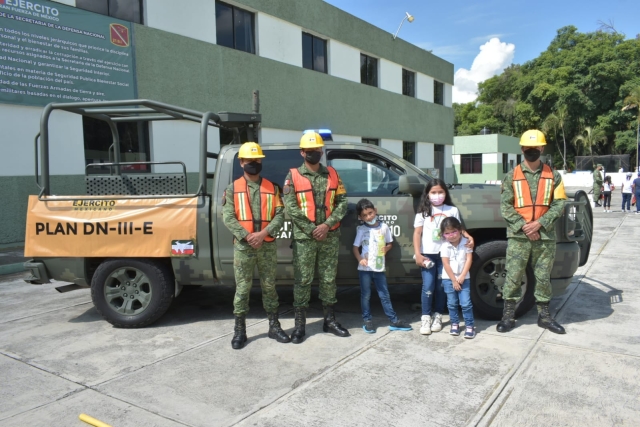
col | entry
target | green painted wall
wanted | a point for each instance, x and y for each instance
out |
(15, 191)
(494, 143)
(202, 76)
(490, 172)
(328, 20)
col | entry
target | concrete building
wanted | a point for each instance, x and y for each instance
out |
(481, 158)
(314, 65)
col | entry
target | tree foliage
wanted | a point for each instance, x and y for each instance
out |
(582, 80)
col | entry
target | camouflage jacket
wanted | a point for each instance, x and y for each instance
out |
(302, 227)
(597, 178)
(231, 222)
(515, 222)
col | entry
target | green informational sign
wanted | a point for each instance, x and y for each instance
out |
(50, 52)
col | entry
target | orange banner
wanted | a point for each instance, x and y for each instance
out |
(94, 227)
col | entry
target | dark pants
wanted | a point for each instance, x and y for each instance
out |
(637, 201)
(626, 199)
(607, 199)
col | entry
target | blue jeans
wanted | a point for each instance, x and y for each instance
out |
(637, 201)
(380, 280)
(461, 298)
(432, 285)
(626, 198)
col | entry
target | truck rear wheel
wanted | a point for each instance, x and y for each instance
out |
(488, 275)
(132, 293)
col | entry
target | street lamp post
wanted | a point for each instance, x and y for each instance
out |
(407, 17)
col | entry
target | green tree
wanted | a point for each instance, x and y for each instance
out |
(589, 137)
(555, 120)
(631, 102)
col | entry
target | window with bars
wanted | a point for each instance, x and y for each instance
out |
(471, 163)
(127, 10)
(235, 28)
(408, 83)
(368, 70)
(314, 53)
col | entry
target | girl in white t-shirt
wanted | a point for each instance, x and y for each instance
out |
(607, 188)
(456, 280)
(435, 206)
(627, 191)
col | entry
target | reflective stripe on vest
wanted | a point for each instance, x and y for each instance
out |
(268, 204)
(522, 200)
(304, 194)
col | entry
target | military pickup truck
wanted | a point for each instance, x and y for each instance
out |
(136, 239)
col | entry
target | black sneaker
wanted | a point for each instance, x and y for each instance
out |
(368, 327)
(400, 325)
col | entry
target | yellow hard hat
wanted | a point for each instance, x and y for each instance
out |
(533, 138)
(311, 140)
(250, 150)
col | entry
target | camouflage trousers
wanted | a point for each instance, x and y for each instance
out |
(245, 261)
(307, 254)
(596, 192)
(542, 254)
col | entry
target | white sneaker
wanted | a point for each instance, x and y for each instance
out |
(436, 326)
(425, 325)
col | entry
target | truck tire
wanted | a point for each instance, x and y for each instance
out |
(488, 275)
(132, 293)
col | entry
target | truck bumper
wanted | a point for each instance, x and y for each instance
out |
(38, 272)
(565, 266)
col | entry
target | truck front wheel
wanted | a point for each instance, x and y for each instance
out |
(488, 275)
(132, 293)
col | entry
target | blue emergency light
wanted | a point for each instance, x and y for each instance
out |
(324, 133)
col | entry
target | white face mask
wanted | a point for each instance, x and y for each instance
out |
(373, 221)
(437, 200)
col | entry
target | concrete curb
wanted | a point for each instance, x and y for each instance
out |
(11, 268)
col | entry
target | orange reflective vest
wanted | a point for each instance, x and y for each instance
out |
(269, 200)
(522, 200)
(304, 194)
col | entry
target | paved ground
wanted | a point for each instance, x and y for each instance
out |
(58, 359)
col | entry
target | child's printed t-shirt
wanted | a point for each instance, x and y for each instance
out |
(373, 240)
(431, 239)
(457, 257)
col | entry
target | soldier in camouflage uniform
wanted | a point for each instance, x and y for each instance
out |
(254, 213)
(597, 184)
(316, 201)
(532, 200)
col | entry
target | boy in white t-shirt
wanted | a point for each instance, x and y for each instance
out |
(456, 263)
(373, 241)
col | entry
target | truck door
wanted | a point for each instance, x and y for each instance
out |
(367, 175)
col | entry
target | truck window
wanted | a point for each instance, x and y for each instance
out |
(364, 174)
(275, 165)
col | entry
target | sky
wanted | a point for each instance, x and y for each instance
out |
(482, 38)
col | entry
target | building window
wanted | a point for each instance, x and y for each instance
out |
(438, 92)
(134, 145)
(235, 28)
(368, 70)
(409, 152)
(408, 83)
(371, 141)
(314, 53)
(505, 163)
(471, 163)
(127, 10)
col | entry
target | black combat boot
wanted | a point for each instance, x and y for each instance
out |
(330, 324)
(301, 319)
(239, 333)
(508, 321)
(546, 321)
(275, 330)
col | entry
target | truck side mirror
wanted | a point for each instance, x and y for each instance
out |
(410, 185)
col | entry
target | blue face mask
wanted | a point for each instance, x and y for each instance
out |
(372, 222)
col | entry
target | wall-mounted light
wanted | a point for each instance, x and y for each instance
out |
(407, 17)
